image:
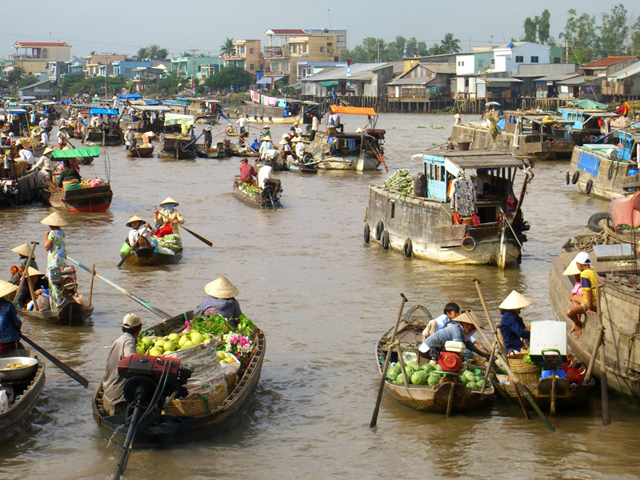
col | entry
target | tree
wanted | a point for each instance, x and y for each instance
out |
(530, 30)
(411, 47)
(613, 31)
(581, 36)
(634, 49)
(227, 48)
(142, 54)
(544, 27)
(14, 75)
(230, 76)
(450, 44)
(157, 53)
(396, 48)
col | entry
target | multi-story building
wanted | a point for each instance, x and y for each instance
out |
(200, 67)
(247, 56)
(34, 57)
(100, 65)
(293, 46)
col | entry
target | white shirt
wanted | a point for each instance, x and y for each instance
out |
(315, 124)
(27, 155)
(45, 164)
(264, 174)
(241, 122)
(300, 150)
(43, 123)
(135, 234)
(334, 120)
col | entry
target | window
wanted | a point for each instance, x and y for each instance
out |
(127, 70)
(321, 49)
(251, 66)
(519, 59)
(251, 52)
(534, 59)
(341, 41)
(480, 63)
(303, 48)
(294, 48)
(493, 61)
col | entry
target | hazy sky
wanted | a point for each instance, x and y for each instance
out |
(119, 26)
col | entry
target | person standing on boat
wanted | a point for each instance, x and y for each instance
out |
(45, 164)
(315, 126)
(589, 280)
(266, 132)
(62, 139)
(334, 121)
(54, 244)
(512, 326)
(220, 301)
(129, 138)
(241, 123)
(286, 153)
(17, 270)
(300, 146)
(113, 400)
(10, 324)
(265, 146)
(247, 172)
(168, 218)
(264, 175)
(208, 138)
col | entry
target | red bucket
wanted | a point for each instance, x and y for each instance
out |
(574, 374)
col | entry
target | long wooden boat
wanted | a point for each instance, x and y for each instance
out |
(26, 395)
(148, 257)
(219, 151)
(283, 111)
(19, 188)
(140, 152)
(172, 143)
(171, 429)
(426, 227)
(607, 171)
(303, 168)
(424, 397)
(104, 135)
(253, 196)
(69, 313)
(619, 309)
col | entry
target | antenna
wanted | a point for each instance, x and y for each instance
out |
(329, 13)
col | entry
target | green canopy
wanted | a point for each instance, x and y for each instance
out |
(85, 152)
(329, 84)
(178, 119)
(588, 104)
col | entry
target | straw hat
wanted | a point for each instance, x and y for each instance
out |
(6, 288)
(47, 151)
(23, 250)
(221, 288)
(285, 135)
(135, 218)
(457, 115)
(572, 269)
(266, 138)
(54, 220)
(129, 127)
(283, 142)
(32, 272)
(265, 126)
(466, 317)
(169, 200)
(515, 301)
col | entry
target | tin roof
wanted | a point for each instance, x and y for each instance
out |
(608, 61)
(39, 44)
(476, 159)
(285, 31)
(630, 71)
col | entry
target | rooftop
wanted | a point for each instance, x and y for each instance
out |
(608, 61)
(40, 44)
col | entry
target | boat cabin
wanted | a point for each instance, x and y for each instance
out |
(145, 117)
(585, 123)
(16, 121)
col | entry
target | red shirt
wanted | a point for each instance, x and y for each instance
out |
(247, 172)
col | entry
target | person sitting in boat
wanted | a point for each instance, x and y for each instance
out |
(40, 288)
(286, 152)
(264, 175)
(451, 311)
(461, 329)
(68, 173)
(45, 164)
(147, 138)
(17, 270)
(208, 138)
(167, 219)
(130, 138)
(300, 146)
(186, 130)
(589, 280)
(265, 146)
(10, 324)
(220, 301)
(575, 297)
(512, 326)
(255, 146)
(26, 154)
(334, 122)
(247, 172)
(140, 233)
(482, 184)
(62, 140)
(113, 400)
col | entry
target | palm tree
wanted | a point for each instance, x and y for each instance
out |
(450, 44)
(157, 53)
(227, 48)
(142, 54)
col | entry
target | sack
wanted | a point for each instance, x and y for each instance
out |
(207, 372)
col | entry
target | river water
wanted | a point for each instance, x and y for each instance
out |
(323, 299)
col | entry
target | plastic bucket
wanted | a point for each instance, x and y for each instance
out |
(632, 171)
(464, 146)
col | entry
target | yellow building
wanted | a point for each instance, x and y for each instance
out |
(247, 56)
(35, 56)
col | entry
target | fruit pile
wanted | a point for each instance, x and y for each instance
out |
(401, 181)
(157, 346)
(428, 374)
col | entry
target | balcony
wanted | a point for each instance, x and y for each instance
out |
(275, 52)
(233, 57)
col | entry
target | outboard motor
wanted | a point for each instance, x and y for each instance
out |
(448, 355)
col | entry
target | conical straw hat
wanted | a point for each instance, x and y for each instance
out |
(24, 250)
(6, 288)
(32, 272)
(221, 288)
(169, 200)
(54, 220)
(135, 218)
(515, 301)
(572, 269)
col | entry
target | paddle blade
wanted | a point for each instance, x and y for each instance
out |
(199, 237)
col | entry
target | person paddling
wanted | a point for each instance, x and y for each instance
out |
(168, 218)
(17, 270)
(10, 324)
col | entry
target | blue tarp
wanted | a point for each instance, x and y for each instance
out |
(151, 102)
(130, 96)
(16, 111)
(104, 111)
(589, 163)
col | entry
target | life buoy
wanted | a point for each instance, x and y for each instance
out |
(568, 178)
(407, 248)
(379, 230)
(468, 244)
(384, 240)
(575, 177)
(367, 233)
(587, 188)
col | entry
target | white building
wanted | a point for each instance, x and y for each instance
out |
(507, 58)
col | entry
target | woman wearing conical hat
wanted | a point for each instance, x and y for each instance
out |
(40, 286)
(221, 300)
(140, 233)
(511, 325)
(10, 324)
(168, 218)
(16, 270)
(54, 244)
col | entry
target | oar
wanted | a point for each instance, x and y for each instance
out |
(65, 368)
(147, 305)
(199, 237)
(374, 418)
(25, 274)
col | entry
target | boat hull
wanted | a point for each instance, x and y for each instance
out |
(71, 314)
(140, 152)
(23, 191)
(254, 199)
(173, 146)
(566, 396)
(600, 175)
(89, 199)
(151, 259)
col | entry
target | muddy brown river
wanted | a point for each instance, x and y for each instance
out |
(323, 299)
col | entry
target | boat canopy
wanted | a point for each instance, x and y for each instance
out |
(15, 111)
(178, 119)
(130, 96)
(86, 152)
(353, 110)
(457, 162)
(151, 108)
(104, 111)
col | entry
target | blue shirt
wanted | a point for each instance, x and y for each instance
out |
(451, 332)
(227, 307)
(9, 322)
(513, 330)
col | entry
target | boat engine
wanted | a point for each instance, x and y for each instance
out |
(448, 355)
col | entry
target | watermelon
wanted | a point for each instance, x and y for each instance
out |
(419, 378)
(409, 370)
(413, 364)
(427, 367)
(479, 384)
(439, 367)
(433, 380)
(471, 385)
(391, 376)
(468, 375)
(398, 380)
(394, 370)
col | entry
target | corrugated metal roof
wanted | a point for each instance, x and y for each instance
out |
(545, 69)
(557, 78)
(409, 81)
(577, 80)
(626, 72)
(359, 71)
(608, 61)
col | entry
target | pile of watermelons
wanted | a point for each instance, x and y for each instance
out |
(428, 374)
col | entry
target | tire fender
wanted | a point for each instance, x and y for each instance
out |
(367, 233)
(568, 178)
(379, 230)
(384, 240)
(575, 177)
(468, 244)
(587, 188)
(407, 248)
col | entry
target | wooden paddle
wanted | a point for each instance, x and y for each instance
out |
(62, 366)
(374, 418)
(128, 254)
(147, 305)
(199, 237)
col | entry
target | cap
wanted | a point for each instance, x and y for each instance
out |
(583, 258)
(131, 320)
(515, 301)
(221, 288)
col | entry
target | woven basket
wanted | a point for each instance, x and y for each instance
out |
(232, 379)
(527, 374)
(196, 405)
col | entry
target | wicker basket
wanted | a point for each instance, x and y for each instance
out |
(527, 374)
(196, 405)
(232, 379)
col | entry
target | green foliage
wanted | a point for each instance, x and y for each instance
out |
(580, 33)
(376, 49)
(227, 48)
(75, 84)
(14, 75)
(613, 31)
(530, 30)
(152, 52)
(449, 44)
(544, 26)
(229, 76)
(634, 49)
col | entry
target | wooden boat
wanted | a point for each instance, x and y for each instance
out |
(172, 429)
(26, 394)
(140, 152)
(146, 256)
(361, 150)
(69, 313)
(311, 167)
(584, 122)
(141, 119)
(619, 307)
(254, 196)
(172, 143)
(607, 171)
(104, 135)
(424, 397)
(221, 150)
(426, 227)
(283, 111)
(18, 187)
(524, 135)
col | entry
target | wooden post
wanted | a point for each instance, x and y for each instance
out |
(93, 276)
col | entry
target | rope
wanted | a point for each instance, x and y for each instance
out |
(587, 243)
